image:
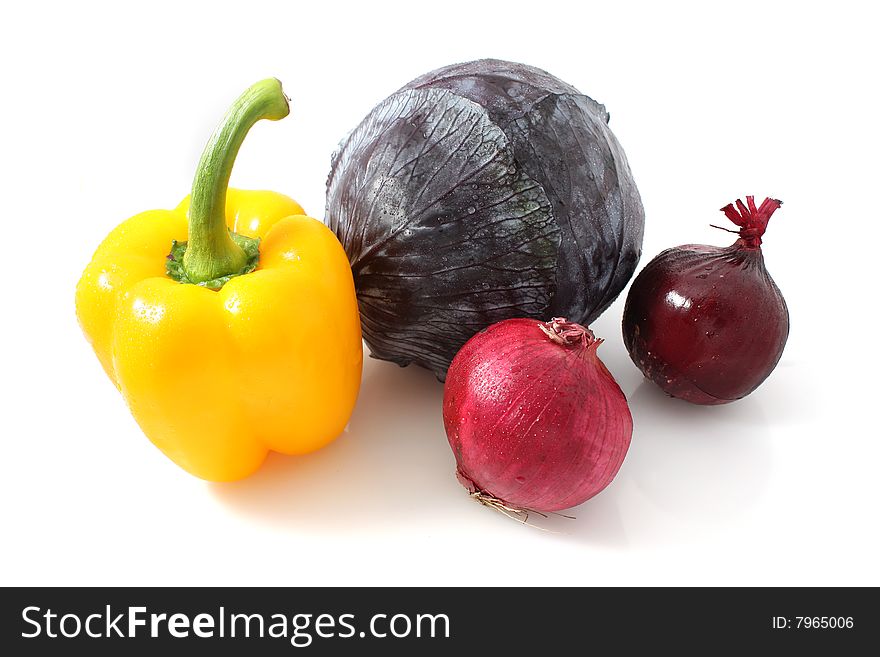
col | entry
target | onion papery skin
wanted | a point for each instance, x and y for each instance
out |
(476, 193)
(706, 324)
(534, 424)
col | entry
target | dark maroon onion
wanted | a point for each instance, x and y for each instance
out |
(708, 324)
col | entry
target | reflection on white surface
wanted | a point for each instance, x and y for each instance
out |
(691, 470)
(393, 466)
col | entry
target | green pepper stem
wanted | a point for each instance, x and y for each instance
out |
(210, 252)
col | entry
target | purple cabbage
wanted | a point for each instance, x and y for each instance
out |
(476, 193)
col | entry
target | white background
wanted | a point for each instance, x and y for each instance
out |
(105, 110)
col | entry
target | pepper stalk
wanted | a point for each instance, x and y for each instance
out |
(213, 254)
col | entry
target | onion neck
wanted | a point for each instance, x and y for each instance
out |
(568, 334)
(751, 219)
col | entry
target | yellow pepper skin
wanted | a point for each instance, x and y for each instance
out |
(217, 378)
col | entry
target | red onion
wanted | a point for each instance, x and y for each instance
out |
(536, 421)
(708, 324)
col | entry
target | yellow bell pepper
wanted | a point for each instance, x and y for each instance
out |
(230, 324)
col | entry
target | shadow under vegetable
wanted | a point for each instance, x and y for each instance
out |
(690, 470)
(391, 467)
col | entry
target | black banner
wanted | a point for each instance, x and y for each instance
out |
(277, 621)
